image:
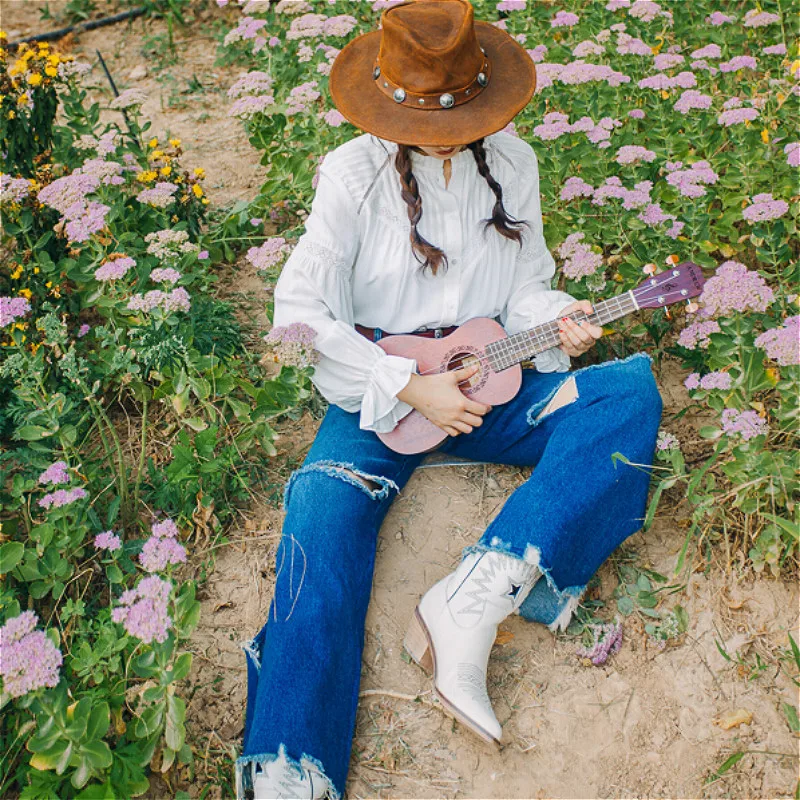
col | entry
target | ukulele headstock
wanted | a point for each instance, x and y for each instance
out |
(681, 282)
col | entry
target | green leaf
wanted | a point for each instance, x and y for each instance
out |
(726, 765)
(174, 732)
(98, 754)
(32, 433)
(791, 717)
(625, 606)
(10, 555)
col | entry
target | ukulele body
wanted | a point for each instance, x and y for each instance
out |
(415, 433)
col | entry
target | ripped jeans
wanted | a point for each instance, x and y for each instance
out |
(578, 504)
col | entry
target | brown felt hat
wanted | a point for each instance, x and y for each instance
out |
(432, 76)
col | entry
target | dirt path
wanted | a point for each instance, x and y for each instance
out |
(641, 726)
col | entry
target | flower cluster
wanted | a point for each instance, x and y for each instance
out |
(690, 181)
(130, 98)
(632, 154)
(782, 344)
(691, 99)
(114, 267)
(557, 124)
(577, 72)
(736, 116)
(162, 548)
(293, 345)
(175, 300)
(301, 96)
(734, 289)
(606, 640)
(564, 19)
(143, 611)
(709, 382)
(30, 660)
(165, 275)
(161, 195)
(745, 424)
(763, 208)
(579, 258)
(108, 540)
(13, 308)
(666, 441)
(169, 245)
(55, 475)
(13, 190)
(268, 254)
(697, 334)
(62, 497)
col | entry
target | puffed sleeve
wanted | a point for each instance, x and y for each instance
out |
(315, 287)
(531, 301)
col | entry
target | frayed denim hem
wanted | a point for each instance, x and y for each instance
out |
(567, 600)
(245, 770)
(335, 469)
(534, 410)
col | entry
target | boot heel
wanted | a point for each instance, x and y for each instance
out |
(417, 643)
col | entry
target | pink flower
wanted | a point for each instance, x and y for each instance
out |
(734, 289)
(690, 181)
(667, 61)
(564, 19)
(737, 63)
(108, 540)
(538, 53)
(631, 154)
(62, 497)
(744, 424)
(12, 308)
(735, 116)
(717, 18)
(165, 275)
(715, 381)
(782, 344)
(758, 19)
(646, 10)
(636, 113)
(579, 258)
(268, 254)
(692, 99)
(30, 660)
(764, 208)
(293, 344)
(606, 640)
(709, 51)
(775, 50)
(334, 118)
(162, 548)
(698, 334)
(83, 330)
(792, 151)
(55, 474)
(511, 5)
(575, 187)
(114, 268)
(143, 611)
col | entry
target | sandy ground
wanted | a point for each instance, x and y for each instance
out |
(643, 725)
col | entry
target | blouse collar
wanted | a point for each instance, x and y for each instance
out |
(434, 166)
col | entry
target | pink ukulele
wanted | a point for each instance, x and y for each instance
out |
(484, 341)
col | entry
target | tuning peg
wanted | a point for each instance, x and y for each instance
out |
(691, 307)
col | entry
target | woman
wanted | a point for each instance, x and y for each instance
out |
(444, 87)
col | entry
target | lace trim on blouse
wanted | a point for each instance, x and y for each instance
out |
(316, 252)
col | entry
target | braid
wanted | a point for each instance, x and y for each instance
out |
(434, 257)
(500, 219)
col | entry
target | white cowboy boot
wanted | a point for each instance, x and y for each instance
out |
(281, 780)
(454, 628)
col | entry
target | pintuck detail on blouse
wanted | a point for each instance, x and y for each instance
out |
(354, 264)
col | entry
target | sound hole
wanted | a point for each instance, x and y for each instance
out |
(465, 360)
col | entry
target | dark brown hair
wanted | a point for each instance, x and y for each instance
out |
(433, 256)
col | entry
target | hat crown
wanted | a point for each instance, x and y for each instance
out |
(430, 46)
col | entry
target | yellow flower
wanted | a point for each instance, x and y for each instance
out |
(765, 136)
(53, 59)
(51, 72)
(12, 114)
(26, 293)
(205, 201)
(146, 176)
(18, 67)
(17, 273)
(795, 65)
(175, 142)
(34, 347)
(664, 94)
(198, 190)
(153, 142)
(22, 99)
(36, 270)
(199, 172)
(3, 35)
(156, 153)
(48, 284)
(34, 79)
(165, 170)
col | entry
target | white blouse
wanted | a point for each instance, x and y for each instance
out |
(354, 264)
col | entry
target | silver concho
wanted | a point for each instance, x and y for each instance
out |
(482, 79)
(447, 101)
(399, 95)
(376, 72)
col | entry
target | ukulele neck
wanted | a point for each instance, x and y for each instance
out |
(524, 345)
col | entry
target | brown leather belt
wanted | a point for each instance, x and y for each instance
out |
(374, 334)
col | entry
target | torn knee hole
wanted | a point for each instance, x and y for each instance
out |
(567, 393)
(368, 483)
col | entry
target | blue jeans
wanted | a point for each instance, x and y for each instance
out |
(578, 504)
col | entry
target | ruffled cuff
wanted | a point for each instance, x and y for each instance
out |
(552, 360)
(381, 410)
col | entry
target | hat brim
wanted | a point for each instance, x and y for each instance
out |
(362, 103)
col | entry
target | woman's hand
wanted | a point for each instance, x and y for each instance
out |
(577, 337)
(438, 398)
